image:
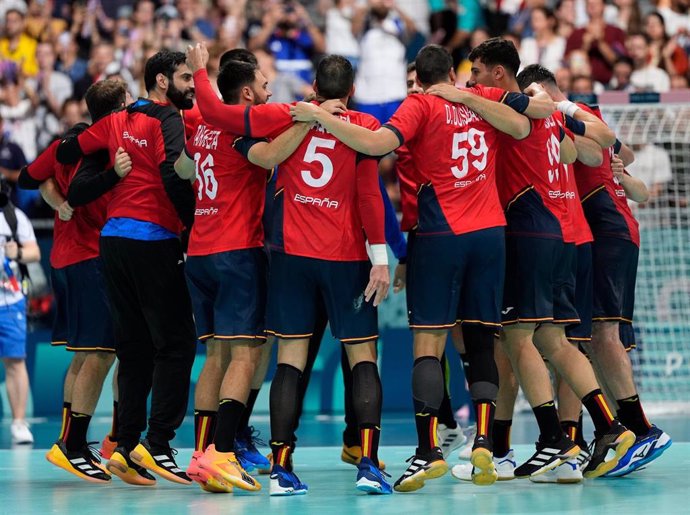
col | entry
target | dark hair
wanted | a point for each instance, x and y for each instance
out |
(411, 67)
(334, 77)
(104, 97)
(165, 62)
(433, 64)
(233, 76)
(497, 51)
(626, 60)
(642, 35)
(535, 73)
(581, 77)
(238, 54)
(549, 15)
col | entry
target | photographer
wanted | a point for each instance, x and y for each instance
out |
(17, 247)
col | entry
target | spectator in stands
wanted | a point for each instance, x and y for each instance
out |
(665, 51)
(675, 13)
(520, 23)
(464, 69)
(582, 85)
(285, 87)
(565, 14)
(195, 25)
(52, 89)
(290, 34)
(622, 71)
(380, 83)
(102, 56)
(40, 24)
(16, 45)
(69, 61)
(16, 109)
(652, 166)
(545, 47)
(72, 114)
(603, 43)
(624, 14)
(11, 157)
(564, 79)
(339, 37)
(468, 18)
(646, 76)
(169, 29)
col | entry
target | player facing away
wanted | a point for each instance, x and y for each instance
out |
(227, 266)
(83, 322)
(539, 290)
(325, 195)
(144, 267)
(457, 262)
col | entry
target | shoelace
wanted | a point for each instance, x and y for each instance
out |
(93, 451)
(254, 439)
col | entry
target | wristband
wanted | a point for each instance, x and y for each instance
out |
(568, 107)
(379, 254)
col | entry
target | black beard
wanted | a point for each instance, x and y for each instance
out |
(178, 98)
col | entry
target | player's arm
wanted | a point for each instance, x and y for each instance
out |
(94, 177)
(588, 151)
(501, 116)
(40, 170)
(361, 139)
(75, 145)
(51, 194)
(269, 154)
(624, 152)
(635, 189)
(586, 124)
(371, 213)
(568, 150)
(185, 167)
(538, 102)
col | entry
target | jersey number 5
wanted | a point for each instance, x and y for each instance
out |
(312, 155)
(204, 175)
(474, 139)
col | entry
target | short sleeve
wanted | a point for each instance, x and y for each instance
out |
(96, 137)
(245, 144)
(267, 120)
(25, 231)
(410, 116)
(44, 165)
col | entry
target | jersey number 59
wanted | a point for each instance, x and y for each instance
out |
(469, 142)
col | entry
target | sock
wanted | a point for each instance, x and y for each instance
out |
(75, 438)
(112, 436)
(465, 363)
(249, 408)
(599, 410)
(366, 401)
(549, 427)
(581, 433)
(369, 436)
(351, 433)
(632, 415)
(66, 410)
(485, 409)
(284, 403)
(281, 454)
(427, 391)
(445, 412)
(204, 428)
(570, 429)
(501, 438)
(229, 413)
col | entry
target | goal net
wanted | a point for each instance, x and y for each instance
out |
(660, 136)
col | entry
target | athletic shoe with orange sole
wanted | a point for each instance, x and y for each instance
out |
(131, 473)
(81, 463)
(160, 461)
(202, 477)
(107, 447)
(225, 471)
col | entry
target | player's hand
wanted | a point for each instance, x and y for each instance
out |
(446, 91)
(399, 277)
(334, 106)
(197, 56)
(379, 281)
(123, 163)
(617, 167)
(11, 249)
(304, 112)
(65, 211)
(534, 89)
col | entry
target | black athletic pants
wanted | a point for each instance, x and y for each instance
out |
(155, 338)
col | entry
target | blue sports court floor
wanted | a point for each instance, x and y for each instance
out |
(29, 484)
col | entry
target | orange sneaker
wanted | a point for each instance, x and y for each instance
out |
(202, 477)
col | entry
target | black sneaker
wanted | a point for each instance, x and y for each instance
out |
(123, 467)
(161, 461)
(82, 463)
(547, 457)
(618, 439)
(421, 467)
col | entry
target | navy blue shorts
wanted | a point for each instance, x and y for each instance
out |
(626, 332)
(83, 321)
(456, 278)
(298, 285)
(13, 330)
(540, 281)
(228, 292)
(582, 332)
(614, 263)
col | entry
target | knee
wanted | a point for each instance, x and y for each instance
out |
(13, 365)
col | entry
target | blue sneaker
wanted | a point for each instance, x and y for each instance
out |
(646, 449)
(286, 483)
(370, 478)
(247, 453)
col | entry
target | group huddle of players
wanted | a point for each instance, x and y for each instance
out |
(520, 241)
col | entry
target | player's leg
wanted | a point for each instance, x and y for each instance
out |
(68, 388)
(109, 443)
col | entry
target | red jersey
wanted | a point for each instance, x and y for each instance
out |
(529, 181)
(192, 119)
(230, 195)
(603, 198)
(77, 240)
(409, 182)
(454, 150)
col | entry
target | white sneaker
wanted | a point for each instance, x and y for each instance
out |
(505, 468)
(21, 433)
(466, 452)
(450, 438)
(568, 472)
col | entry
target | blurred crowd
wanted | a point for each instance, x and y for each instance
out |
(52, 50)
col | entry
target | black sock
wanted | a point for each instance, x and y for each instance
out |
(549, 426)
(249, 408)
(632, 415)
(366, 401)
(66, 410)
(284, 402)
(445, 412)
(599, 410)
(485, 409)
(427, 390)
(114, 425)
(229, 414)
(501, 434)
(581, 433)
(204, 428)
(570, 429)
(351, 433)
(75, 438)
